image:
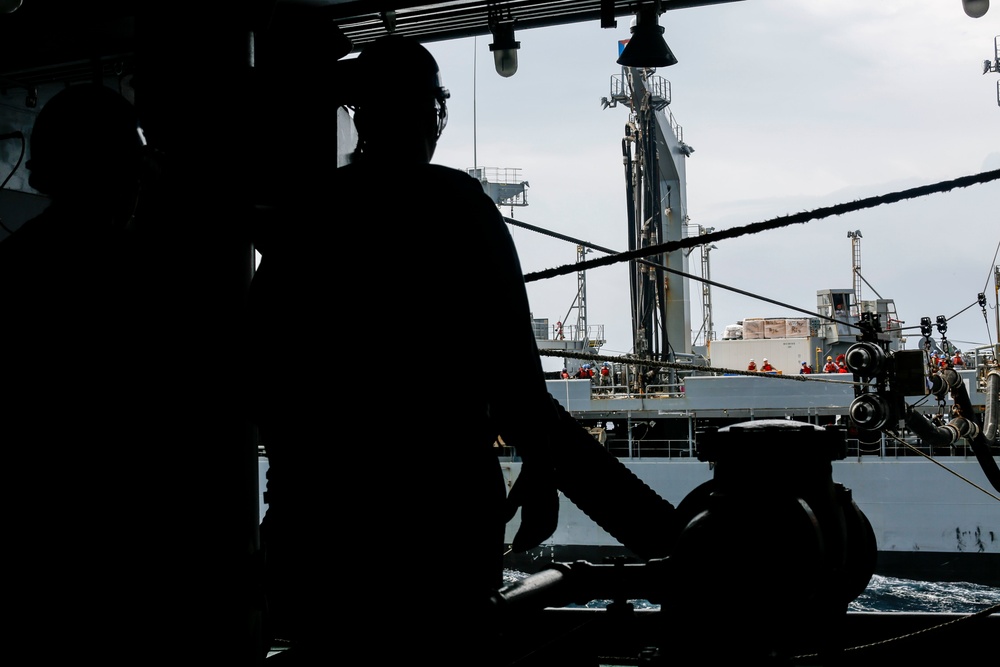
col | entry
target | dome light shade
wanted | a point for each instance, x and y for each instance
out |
(975, 8)
(646, 47)
(504, 48)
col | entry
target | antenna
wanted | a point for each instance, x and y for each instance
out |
(475, 158)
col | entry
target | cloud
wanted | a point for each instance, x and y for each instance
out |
(791, 107)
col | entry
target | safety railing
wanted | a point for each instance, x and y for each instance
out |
(618, 390)
(636, 448)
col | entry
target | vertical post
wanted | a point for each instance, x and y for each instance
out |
(192, 87)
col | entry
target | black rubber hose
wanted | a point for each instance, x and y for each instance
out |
(944, 435)
(980, 445)
(926, 431)
(992, 402)
(987, 462)
(610, 494)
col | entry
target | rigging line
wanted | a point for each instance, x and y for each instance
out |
(917, 326)
(862, 649)
(754, 296)
(936, 462)
(974, 303)
(866, 282)
(774, 223)
(557, 235)
(706, 281)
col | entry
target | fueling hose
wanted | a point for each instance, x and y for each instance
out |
(941, 435)
(992, 382)
(962, 427)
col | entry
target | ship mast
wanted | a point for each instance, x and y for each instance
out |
(581, 296)
(707, 325)
(855, 237)
(654, 156)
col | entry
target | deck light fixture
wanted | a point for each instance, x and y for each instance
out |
(504, 47)
(646, 47)
(975, 8)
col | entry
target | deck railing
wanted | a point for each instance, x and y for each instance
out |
(601, 391)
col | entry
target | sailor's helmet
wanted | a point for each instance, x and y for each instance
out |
(416, 86)
(420, 78)
(84, 132)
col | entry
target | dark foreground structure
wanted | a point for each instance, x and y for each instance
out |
(187, 488)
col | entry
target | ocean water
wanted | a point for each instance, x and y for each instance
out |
(905, 595)
(884, 594)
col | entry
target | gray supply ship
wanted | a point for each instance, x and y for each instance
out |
(928, 496)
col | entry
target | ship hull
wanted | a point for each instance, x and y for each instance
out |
(934, 514)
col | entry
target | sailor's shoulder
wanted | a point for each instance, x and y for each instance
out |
(457, 176)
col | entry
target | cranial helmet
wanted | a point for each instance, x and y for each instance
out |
(395, 65)
(397, 72)
(85, 132)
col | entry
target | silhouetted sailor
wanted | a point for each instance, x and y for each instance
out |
(388, 502)
(117, 396)
(88, 511)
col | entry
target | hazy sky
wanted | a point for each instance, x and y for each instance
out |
(790, 106)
